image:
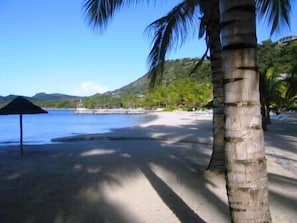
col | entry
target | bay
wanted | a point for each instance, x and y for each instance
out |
(41, 128)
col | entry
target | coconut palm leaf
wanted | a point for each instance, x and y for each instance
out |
(169, 32)
(291, 93)
(100, 12)
(275, 12)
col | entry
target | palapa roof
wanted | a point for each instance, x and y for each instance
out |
(21, 105)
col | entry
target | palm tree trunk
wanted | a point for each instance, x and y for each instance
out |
(212, 16)
(246, 173)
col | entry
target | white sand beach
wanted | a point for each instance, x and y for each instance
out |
(150, 173)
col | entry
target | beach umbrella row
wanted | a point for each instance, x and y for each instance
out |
(21, 106)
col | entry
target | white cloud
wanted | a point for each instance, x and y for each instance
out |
(88, 88)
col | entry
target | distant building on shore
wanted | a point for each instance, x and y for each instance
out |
(287, 39)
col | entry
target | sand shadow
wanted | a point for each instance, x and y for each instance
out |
(63, 182)
(181, 210)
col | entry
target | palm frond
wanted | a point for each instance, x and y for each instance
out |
(100, 12)
(291, 83)
(200, 61)
(275, 12)
(168, 32)
(202, 28)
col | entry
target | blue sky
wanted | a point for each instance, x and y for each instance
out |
(47, 46)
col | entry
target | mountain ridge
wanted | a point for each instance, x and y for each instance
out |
(174, 69)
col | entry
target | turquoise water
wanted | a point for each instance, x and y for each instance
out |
(40, 129)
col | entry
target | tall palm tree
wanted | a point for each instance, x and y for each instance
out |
(174, 27)
(211, 21)
(171, 30)
(244, 144)
(246, 173)
(163, 28)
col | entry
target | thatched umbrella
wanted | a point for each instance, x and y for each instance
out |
(20, 106)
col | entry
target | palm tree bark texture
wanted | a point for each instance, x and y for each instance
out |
(212, 18)
(246, 172)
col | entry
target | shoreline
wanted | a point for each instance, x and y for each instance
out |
(171, 120)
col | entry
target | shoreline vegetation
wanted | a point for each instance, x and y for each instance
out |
(83, 110)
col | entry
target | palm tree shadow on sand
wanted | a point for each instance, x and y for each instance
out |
(76, 181)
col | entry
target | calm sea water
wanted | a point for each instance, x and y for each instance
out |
(40, 129)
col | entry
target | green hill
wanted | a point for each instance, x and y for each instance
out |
(178, 88)
(174, 70)
(46, 100)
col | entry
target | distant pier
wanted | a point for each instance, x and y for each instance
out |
(111, 111)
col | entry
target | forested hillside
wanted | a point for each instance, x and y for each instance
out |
(181, 89)
(278, 76)
(194, 89)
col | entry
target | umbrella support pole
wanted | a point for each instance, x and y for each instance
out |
(21, 106)
(21, 135)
